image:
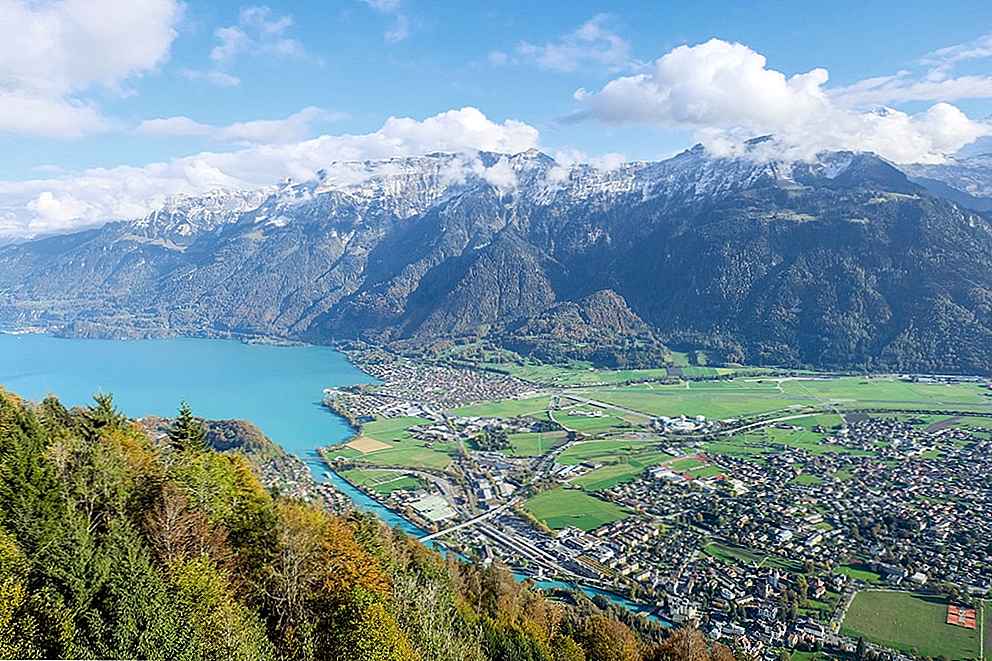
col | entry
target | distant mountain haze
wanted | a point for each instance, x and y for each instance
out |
(845, 262)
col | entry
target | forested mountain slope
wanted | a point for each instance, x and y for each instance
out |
(114, 545)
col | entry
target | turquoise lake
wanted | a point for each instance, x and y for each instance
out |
(277, 388)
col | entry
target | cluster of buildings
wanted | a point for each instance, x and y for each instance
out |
(411, 388)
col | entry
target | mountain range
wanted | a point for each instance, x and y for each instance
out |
(844, 262)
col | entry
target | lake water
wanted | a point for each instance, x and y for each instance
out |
(277, 388)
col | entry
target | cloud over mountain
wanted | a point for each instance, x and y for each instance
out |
(95, 195)
(727, 94)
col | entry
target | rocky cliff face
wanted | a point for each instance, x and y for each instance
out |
(840, 262)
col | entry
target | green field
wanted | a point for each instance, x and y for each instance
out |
(534, 444)
(562, 508)
(589, 425)
(608, 477)
(987, 617)
(737, 554)
(392, 429)
(858, 572)
(743, 397)
(383, 482)
(909, 622)
(805, 479)
(579, 374)
(687, 464)
(416, 456)
(702, 472)
(507, 408)
(612, 451)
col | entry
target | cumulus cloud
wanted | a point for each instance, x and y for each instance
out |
(93, 196)
(296, 127)
(51, 52)
(727, 93)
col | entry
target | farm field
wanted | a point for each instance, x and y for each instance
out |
(534, 444)
(561, 508)
(715, 403)
(507, 408)
(749, 396)
(392, 429)
(610, 476)
(613, 451)
(572, 419)
(579, 374)
(909, 622)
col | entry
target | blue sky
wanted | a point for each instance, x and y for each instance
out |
(138, 82)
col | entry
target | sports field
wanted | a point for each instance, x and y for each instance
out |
(562, 508)
(608, 477)
(909, 622)
(383, 482)
(415, 456)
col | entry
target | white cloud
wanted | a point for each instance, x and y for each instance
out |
(24, 113)
(93, 196)
(902, 87)
(400, 29)
(51, 52)
(500, 174)
(218, 78)
(941, 61)
(497, 58)
(935, 83)
(296, 127)
(384, 6)
(258, 32)
(726, 93)
(591, 43)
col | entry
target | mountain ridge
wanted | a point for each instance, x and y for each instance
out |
(845, 261)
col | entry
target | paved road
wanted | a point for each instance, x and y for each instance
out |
(471, 522)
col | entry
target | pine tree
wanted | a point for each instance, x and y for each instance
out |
(104, 415)
(186, 431)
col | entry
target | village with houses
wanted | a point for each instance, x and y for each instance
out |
(774, 513)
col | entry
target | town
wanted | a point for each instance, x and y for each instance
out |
(767, 528)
